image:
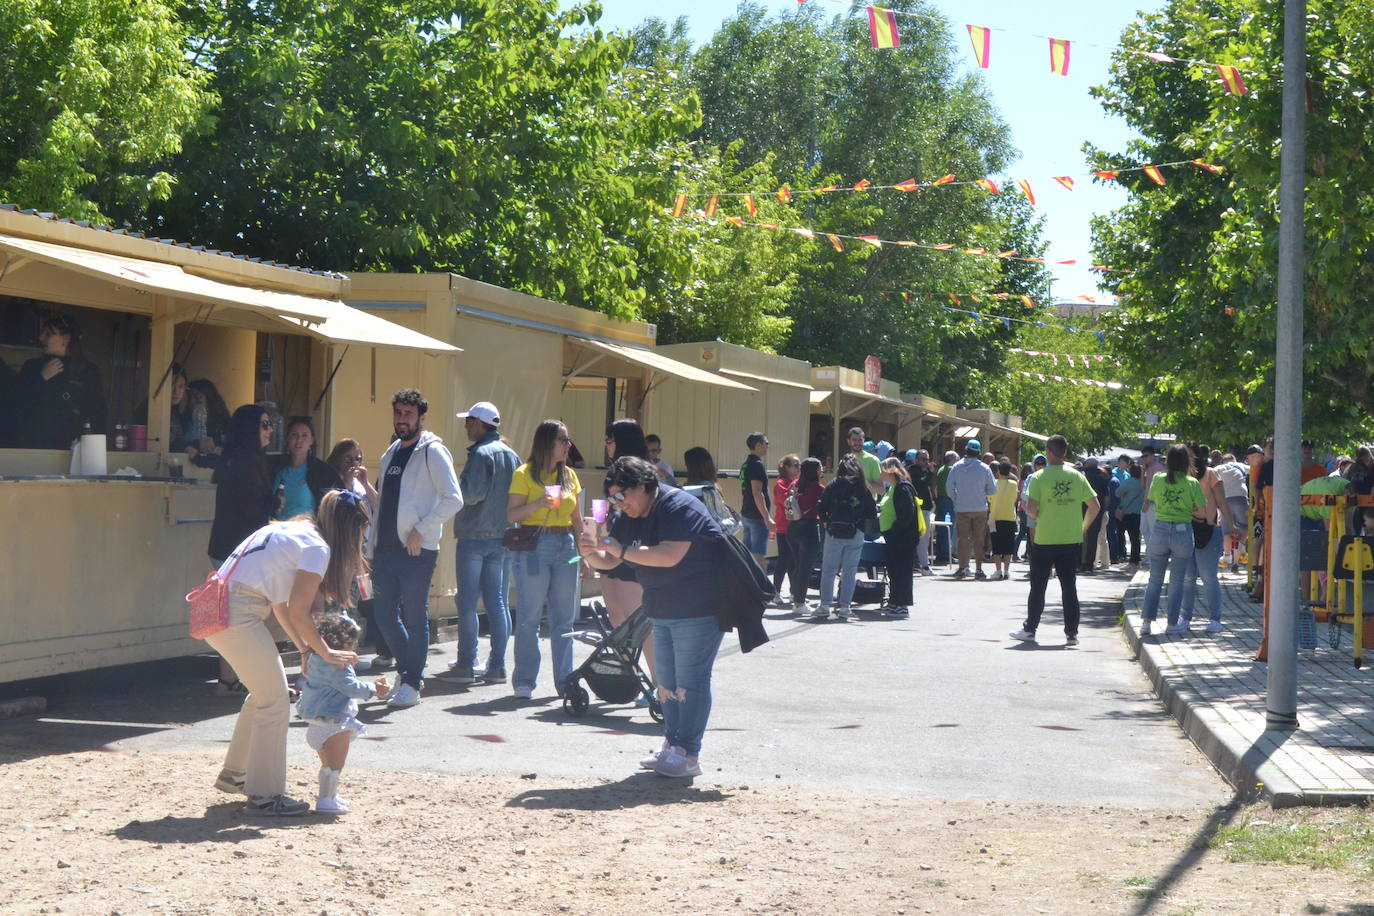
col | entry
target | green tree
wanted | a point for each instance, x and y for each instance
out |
(1197, 326)
(95, 96)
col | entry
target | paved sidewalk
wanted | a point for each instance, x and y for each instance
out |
(1214, 688)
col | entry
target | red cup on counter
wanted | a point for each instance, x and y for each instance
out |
(138, 438)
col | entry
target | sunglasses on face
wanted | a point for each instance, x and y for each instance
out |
(266, 424)
(566, 440)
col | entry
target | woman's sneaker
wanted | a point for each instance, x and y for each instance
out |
(819, 612)
(276, 806)
(675, 763)
(843, 612)
(331, 805)
(897, 612)
(653, 759)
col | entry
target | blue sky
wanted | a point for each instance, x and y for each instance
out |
(1050, 116)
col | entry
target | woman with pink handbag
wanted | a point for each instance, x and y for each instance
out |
(283, 570)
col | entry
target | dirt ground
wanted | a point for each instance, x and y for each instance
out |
(123, 832)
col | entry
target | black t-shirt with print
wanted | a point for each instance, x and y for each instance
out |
(387, 537)
(752, 470)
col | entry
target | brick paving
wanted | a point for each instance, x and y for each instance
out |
(1215, 688)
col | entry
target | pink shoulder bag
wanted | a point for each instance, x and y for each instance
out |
(209, 604)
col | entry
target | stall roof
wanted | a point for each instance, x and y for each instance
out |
(819, 397)
(328, 319)
(757, 377)
(657, 362)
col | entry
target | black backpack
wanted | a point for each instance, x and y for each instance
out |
(745, 592)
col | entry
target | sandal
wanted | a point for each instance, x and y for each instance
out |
(227, 688)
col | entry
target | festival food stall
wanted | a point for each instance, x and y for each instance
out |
(999, 432)
(100, 551)
(844, 398)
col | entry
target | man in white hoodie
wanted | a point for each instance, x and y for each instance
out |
(419, 492)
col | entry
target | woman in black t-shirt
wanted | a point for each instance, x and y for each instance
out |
(672, 541)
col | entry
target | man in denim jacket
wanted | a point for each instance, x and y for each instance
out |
(480, 557)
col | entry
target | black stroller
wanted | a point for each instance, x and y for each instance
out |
(612, 671)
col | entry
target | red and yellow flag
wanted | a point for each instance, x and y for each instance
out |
(679, 205)
(735, 221)
(953, 298)
(1025, 187)
(1070, 261)
(835, 241)
(1010, 252)
(712, 204)
(826, 189)
(1230, 78)
(943, 246)
(1065, 180)
(943, 180)
(784, 194)
(987, 185)
(908, 185)
(1214, 169)
(981, 37)
(975, 251)
(910, 244)
(750, 205)
(906, 295)
(1059, 56)
(1154, 173)
(1106, 174)
(863, 185)
(1028, 302)
(882, 27)
(976, 300)
(872, 240)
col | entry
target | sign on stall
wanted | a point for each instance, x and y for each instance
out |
(873, 373)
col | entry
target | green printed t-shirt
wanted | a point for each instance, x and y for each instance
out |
(1174, 502)
(1061, 492)
(872, 467)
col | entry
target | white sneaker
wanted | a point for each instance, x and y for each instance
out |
(524, 693)
(1145, 627)
(675, 763)
(1023, 634)
(843, 612)
(405, 697)
(1214, 626)
(657, 756)
(331, 805)
(819, 612)
(1070, 641)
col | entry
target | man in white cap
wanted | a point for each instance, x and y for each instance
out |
(480, 558)
(970, 483)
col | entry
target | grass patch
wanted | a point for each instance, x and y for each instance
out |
(1331, 840)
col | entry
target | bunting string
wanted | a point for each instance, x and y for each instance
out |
(1090, 382)
(1085, 358)
(1007, 321)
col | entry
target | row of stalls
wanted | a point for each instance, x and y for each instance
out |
(118, 552)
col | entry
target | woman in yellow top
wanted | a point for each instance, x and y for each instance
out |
(1002, 520)
(543, 495)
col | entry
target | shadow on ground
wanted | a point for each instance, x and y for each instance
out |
(631, 792)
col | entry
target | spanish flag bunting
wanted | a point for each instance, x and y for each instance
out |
(784, 194)
(1025, 187)
(943, 180)
(735, 221)
(987, 185)
(910, 244)
(981, 36)
(1059, 56)
(953, 298)
(827, 188)
(1154, 174)
(750, 205)
(1087, 298)
(1230, 311)
(679, 205)
(976, 300)
(975, 251)
(943, 246)
(1036, 260)
(1028, 302)
(1230, 78)
(906, 296)
(872, 240)
(1011, 252)
(769, 225)
(835, 241)
(1070, 261)
(1001, 295)
(1214, 169)
(882, 27)
(712, 204)
(1106, 174)
(1065, 180)
(908, 185)
(863, 184)
(804, 233)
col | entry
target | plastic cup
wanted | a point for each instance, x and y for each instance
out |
(599, 510)
(553, 494)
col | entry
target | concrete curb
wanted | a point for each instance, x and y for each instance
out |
(1245, 762)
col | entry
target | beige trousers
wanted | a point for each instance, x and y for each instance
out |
(971, 528)
(257, 751)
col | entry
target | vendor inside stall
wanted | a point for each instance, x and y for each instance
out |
(58, 393)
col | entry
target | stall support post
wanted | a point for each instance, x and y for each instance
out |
(162, 350)
(1281, 702)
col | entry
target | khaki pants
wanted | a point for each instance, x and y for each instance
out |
(971, 528)
(257, 751)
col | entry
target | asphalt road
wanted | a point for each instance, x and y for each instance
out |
(941, 705)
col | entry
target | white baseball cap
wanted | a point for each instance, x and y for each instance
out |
(484, 411)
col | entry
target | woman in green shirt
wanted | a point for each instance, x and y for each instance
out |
(1177, 499)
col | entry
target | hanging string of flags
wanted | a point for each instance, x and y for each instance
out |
(837, 240)
(1008, 321)
(883, 34)
(1091, 382)
(786, 193)
(1086, 358)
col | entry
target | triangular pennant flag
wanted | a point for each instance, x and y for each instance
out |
(975, 251)
(872, 240)
(863, 185)
(1028, 302)
(1054, 359)
(882, 27)
(1073, 330)
(1162, 58)
(943, 246)
(1154, 173)
(768, 225)
(1230, 78)
(712, 204)
(942, 180)
(1101, 338)
(1106, 174)
(1070, 261)
(981, 37)
(1059, 56)
(1040, 324)
(735, 221)
(1011, 252)
(987, 185)
(1006, 323)
(750, 205)
(1214, 169)
(679, 205)
(906, 296)
(804, 233)
(909, 244)
(1025, 187)
(908, 185)
(825, 190)
(835, 241)
(953, 298)
(1065, 180)
(976, 317)
(975, 299)
(784, 194)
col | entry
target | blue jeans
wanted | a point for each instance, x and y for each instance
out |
(400, 594)
(481, 568)
(545, 580)
(756, 536)
(1206, 559)
(684, 651)
(840, 555)
(946, 541)
(1170, 549)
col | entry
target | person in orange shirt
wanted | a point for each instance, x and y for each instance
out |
(1311, 468)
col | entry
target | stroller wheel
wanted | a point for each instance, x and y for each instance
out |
(655, 709)
(576, 700)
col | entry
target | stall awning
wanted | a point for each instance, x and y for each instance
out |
(820, 397)
(1029, 435)
(657, 362)
(753, 377)
(327, 319)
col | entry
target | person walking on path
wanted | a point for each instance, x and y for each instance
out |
(754, 504)
(804, 534)
(1130, 496)
(1002, 518)
(1208, 539)
(1177, 499)
(1056, 499)
(970, 484)
(844, 507)
(789, 468)
(899, 519)
(1098, 480)
(418, 492)
(480, 557)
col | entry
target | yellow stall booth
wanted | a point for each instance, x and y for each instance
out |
(840, 400)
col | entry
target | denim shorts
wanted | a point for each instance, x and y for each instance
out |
(756, 536)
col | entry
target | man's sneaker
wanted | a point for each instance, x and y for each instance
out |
(380, 662)
(657, 756)
(276, 806)
(494, 675)
(456, 675)
(523, 693)
(1176, 629)
(1214, 626)
(961, 574)
(1145, 627)
(405, 697)
(332, 805)
(843, 612)
(1023, 634)
(899, 613)
(675, 763)
(927, 571)
(228, 782)
(819, 612)
(980, 575)
(1070, 642)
